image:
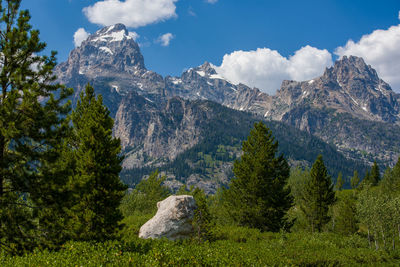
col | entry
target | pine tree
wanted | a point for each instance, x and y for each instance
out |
(318, 196)
(258, 197)
(32, 125)
(355, 180)
(339, 182)
(97, 187)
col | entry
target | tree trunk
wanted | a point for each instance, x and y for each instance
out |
(383, 237)
(393, 241)
(369, 239)
(376, 241)
(398, 229)
(2, 149)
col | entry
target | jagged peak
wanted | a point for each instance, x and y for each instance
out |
(113, 33)
(112, 28)
(206, 69)
(350, 67)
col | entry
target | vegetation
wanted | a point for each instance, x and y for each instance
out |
(62, 203)
(258, 196)
(96, 188)
(317, 196)
(221, 146)
(32, 125)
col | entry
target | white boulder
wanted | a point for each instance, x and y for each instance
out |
(173, 219)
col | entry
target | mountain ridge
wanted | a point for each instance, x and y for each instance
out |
(140, 101)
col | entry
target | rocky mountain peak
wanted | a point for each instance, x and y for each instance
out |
(112, 28)
(351, 68)
(207, 68)
(350, 86)
(110, 51)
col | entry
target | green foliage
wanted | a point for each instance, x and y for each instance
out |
(318, 196)
(355, 180)
(203, 222)
(32, 125)
(339, 182)
(380, 214)
(258, 196)
(297, 182)
(390, 184)
(95, 182)
(344, 218)
(372, 177)
(375, 174)
(143, 199)
(239, 247)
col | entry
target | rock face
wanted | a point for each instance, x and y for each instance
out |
(173, 219)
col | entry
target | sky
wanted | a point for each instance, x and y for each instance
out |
(256, 42)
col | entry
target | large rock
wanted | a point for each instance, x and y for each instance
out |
(173, 219)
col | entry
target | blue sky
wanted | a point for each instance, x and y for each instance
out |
(265, 32)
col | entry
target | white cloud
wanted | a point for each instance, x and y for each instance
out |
(266, 69)
(132, 13)
(165, 39)
(381, 50)
(79, 36)
(211, 1)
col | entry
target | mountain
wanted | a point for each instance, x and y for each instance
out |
(180, 124)
(196, 142)
(111, 61)
(349, 106)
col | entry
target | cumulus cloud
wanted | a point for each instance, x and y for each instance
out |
(380, 49)
(265, 68)
(165, 39)
(132, 13)
(79, 36)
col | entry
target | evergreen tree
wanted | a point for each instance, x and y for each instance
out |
(355, 180)
(366, 180)
(258, 196)
(32, 125)
(390, 183)
(97, 187)
(318, 196)
(375, 175)
(339, 182)
(202, 221)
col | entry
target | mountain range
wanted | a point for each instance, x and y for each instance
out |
(191, 126)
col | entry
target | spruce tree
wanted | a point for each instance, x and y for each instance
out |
(318, 196)
(97, 187)
(258, 196)
(32, 125)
